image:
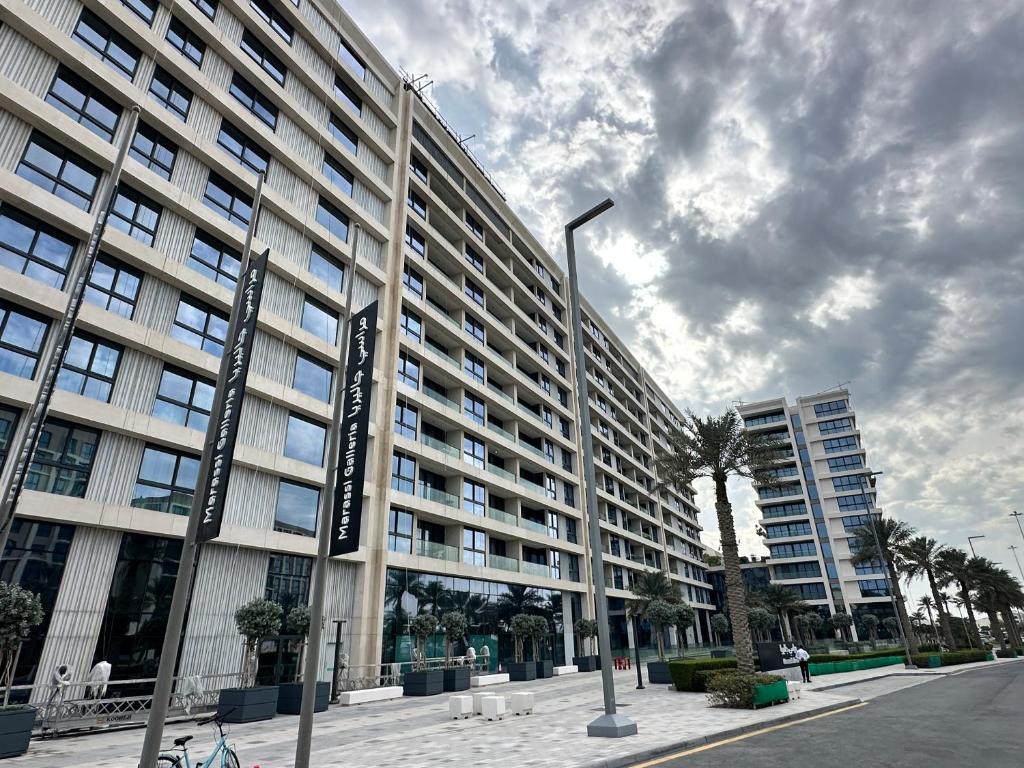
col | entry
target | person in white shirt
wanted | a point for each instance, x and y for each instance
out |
(804, 658)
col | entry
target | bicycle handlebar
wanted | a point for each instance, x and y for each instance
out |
(217, 717)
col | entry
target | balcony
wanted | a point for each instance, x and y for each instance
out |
(502, 473)
(437, 551)
(535, 569)
(532, 525)
(437, 495)
(439, 445)
(501, 516)
(503, 563)
(500, 431)
(433, 394)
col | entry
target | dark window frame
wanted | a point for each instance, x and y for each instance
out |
(111, 40)
(251, 98)
(226, 276)
(6, 310)
(179, 496)
(89, 376)
(133, 226)
(275, 19)
(246, 150)
(62, 469)
(204, 334)
(185, 41)
(153, 157)
(190, 407)
(239, 202)
(113, 293)
(34, 263)
(56, 182)
(260, 53)
(168, 91)
(90, 95)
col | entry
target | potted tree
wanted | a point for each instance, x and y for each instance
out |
(538, 637)
(289, 697)
(660, 615)
(249, 702)
(719, 626)
(519, 669)
(587, 630)
(20, 611)
(454, 626)
(843, 622)
(684, 619)
(870, 622)
(421, 681)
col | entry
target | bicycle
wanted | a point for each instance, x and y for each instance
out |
(228, 758)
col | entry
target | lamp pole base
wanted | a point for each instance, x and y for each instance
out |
(612, 726)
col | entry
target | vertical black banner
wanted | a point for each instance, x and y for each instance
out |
(230, 406)
(347, 515)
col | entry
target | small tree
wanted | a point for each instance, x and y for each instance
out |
(454, 626)
(684, 619)
(521, 627)
(843, 622)
(297, 623)
(892, 625)
(587, 630)
(660, 615)
(20, 611)
(809, 623)
(256, 621)
(762, 622)
(719, 626)
(870, 622)
(423, 626)
(538, 633)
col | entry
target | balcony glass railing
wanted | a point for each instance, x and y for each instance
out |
(499, 392)
(535, 569)
(534, 526)
(440, 496)
(503, 432)
(437, 551)
(530, 412)
(445, 357)
(439, 445)
(532, 486)
(534, 450)
(502, 473)
(433, 394)
(503, 563)
(501, 516)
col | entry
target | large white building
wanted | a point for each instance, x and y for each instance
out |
(473, 488)
(825, 492)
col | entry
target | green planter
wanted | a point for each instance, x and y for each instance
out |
(828, 668)
(844, 666)
(772, 693)
(815, 669)
(990, 656)
(934, 661)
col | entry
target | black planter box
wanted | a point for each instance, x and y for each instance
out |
(247, 705)
(289, 698)
(456, 679)
(657, 673)
(522, 671)
(544, 669)
(586, 663)
(15, 730)
(426, 682)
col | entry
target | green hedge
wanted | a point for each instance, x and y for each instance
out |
(737, 690)
(1006, 653)
(952, 658)
(823, 658)
(691, 674)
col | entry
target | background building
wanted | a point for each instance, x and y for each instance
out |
(473, 476)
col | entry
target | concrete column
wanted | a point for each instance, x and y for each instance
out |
(697, 627)
(568, 637)
(629, 633)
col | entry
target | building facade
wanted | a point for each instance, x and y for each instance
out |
(824, 493)
(472, 497)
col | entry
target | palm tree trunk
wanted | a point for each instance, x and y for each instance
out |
(947, 629)
(993, 625)
(735, 592)
(1011, 627)
(901, 609)
(783, 626)
(965, 595)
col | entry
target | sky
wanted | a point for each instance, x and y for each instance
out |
(806, 194)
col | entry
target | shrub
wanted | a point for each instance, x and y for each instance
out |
(691, 674)
(735, 689)
(256, 621)
(20, 611)
(1006, 653)
(423, 626)
(587, 630)
(522, 628)
(952, 658)
(454, 626)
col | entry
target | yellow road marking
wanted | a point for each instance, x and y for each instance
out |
(742, 736)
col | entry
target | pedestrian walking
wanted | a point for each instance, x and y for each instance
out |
(804, 658)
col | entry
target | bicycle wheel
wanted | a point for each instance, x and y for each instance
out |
(168, 761)
(230, 758)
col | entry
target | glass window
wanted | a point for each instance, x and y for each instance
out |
(473, 451)
(403, 472)
(474, 366)
(261, 54)
(167, 481)
(211, 258)
(113, 286)
(320, 320)
(473, 547)
(834, 426)
(273, 17)
(90, 366)
(408, 370)
(334, 220)
(412, 280)
(304, 440)
(857, 501)
(840, 444)
(415, 240)
(844, 463)
(784, 510)
(344, 134)
(144, 9)
(337, 174)
(245, 150)
(406, 419)
(474, 408)
(326, 268)
(475, 292)
(208, 7)
(297, 508)
(22, 335)
(84, 103)
(171, 93)
(400, 531)
(474, 226)
(782, 530)
(475, 259)
(288, 578)
(253, 100)
(184, 398)
(188, 43)
(415, 202)
(312, 377)
(347, 95)
(570, 530)
(63, 459)
(346, 54)
(8, 423)
(411, 325)
(799, 549)
(847, 482)
(200, 326)
(474, 498)
(874, 588)
(826, 409)
(35, 249)
(474, 328)
(57, 169)
(227, 200)
(153, 150)
(418, 167)
(135, 215)
(109, 45)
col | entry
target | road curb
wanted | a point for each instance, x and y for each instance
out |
(654, 752)
(920, 673)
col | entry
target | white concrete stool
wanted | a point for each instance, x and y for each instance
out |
(522, 703)
(794, 689)
(460, 707)
(478, 702)
(494, 707)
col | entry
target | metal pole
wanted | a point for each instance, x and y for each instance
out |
(909, 664)
(610, 723)
(1013, 548)
(316, 609)
(636, 652)
(25, 447)
(183, 583)
(970, 542)
(335, 678)
(1017, 516)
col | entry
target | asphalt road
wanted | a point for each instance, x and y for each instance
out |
(971, 719)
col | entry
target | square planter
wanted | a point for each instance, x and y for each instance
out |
(15, 730)
(844, 666)
(522, 671)
(424, 682)
(990, 656)
(544, 669)
(658, 674)
(828, 668)
(585, 663)
(934, 661)
(247, 705)
(772, 693)
(289, 698)
(456, 679)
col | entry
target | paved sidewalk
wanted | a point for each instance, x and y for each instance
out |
(840, 679)
(417, 732)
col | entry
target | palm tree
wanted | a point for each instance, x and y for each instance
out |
(518, 599)
(954, 569)
(718, 447)
(921, 558)
(434, 598)
(927, 603)
(650, 588)
(997, 591)
(893, 537)
(783, 601)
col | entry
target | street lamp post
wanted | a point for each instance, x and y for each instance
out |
(909, 663)
(970, 543)
(1017, 516)
(611, 723)
(1013, 548)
